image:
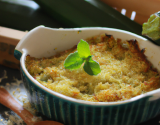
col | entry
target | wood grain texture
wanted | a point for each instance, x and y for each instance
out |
(9, 38)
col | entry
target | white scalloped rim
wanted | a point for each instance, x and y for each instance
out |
(27, 46)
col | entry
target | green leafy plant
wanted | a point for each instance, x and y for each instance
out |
(82, 55)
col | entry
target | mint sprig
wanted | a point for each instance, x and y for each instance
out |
(82, 55)
(83, 49)
(73, 61)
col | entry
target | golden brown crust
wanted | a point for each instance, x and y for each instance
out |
(125, 72)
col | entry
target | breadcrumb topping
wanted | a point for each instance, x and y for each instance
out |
(125, 72)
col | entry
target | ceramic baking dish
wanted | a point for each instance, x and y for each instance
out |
(42, 41)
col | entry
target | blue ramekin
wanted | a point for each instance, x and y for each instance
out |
(71, 111)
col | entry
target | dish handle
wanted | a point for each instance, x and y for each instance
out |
(25, 43)
(155, 96)
(17, 54)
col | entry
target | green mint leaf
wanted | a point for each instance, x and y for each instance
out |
(73, 61)
(91, 67)
(83, 49)
(76, 59)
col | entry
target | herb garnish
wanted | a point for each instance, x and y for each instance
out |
(82, 55)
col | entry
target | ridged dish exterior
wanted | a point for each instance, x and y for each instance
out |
(71, 113)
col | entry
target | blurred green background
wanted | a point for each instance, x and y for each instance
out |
(27, 14)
